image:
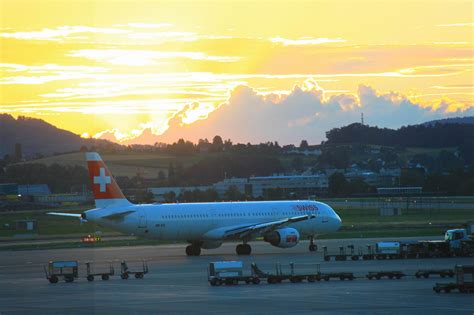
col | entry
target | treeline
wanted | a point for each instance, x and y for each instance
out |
(430, 136)
(184, 147)
(59, 178)
(210, 170)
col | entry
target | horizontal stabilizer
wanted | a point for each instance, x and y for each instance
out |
(76, 215)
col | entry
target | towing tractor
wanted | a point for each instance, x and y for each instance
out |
(229, 273)
(460, 242)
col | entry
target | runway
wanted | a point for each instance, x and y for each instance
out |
(178, 284)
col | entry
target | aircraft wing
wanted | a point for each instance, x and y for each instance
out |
(252, 230)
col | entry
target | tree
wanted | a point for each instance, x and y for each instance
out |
(304, 145)
(232, 194)
(170, 197)
(297, 164)
(217, 144)
(161, 175)
(337, 184)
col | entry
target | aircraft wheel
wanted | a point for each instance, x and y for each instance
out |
(90, 278)
(53, 279)
(193, 250)
(313, 247)
(243, 249)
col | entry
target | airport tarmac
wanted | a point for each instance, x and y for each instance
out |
(178, 284)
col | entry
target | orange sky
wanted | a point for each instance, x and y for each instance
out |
(115, 69)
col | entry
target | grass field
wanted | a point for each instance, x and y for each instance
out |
(48, 224)
(149, 164)
(126, 164)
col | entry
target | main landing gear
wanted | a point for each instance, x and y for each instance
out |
(243, 249)
(312, 247)
(193, 250)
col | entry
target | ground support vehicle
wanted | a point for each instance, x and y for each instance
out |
(125, 271)
(353, 254)
(441, 272)
(464, 281)
(68, 270)
(342, 256)
(370, 253)
(229, 273)
(388, 274)
(387, 250)
(457, 242)
(295, 277)
(104, 275)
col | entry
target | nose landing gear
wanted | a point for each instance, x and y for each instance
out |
(312, 247)
(243, 249)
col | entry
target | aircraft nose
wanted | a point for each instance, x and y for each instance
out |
(337, 221)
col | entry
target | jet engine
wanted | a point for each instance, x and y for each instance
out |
(283, 238)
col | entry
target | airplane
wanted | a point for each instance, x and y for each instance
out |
(205, 225)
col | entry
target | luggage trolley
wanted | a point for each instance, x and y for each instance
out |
(125, 272)
(68, 270)
(104, 275)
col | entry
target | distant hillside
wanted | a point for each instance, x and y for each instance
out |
(456, 120)
(429, 136)
(37, 136)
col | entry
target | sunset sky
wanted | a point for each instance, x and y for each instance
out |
(148, 71)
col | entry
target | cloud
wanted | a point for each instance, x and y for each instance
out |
(305, 113)
(40, 74)
(144, 57)
(456, 25)
(147, 25)
(306, 41)
(62, 32)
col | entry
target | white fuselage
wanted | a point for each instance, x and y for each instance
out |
(207, 221)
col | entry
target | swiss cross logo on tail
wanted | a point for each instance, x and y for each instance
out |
(103, 183)
(102, 180)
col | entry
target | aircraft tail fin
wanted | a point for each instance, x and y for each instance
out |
(106, 191)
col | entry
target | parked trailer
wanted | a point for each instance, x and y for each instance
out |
(464, 281)
(295, 277)
(125, 271)
(229, 273)
(441, 272)
(353, 255)
(68, 270)
(388, 274)
(104, 275)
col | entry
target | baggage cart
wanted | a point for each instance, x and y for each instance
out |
(67, 270)
(104, 275)
(125, 272)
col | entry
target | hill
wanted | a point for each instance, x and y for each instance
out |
(37, 136)
(456, 120)
(423, 136)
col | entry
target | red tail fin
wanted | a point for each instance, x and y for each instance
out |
(105, 189)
